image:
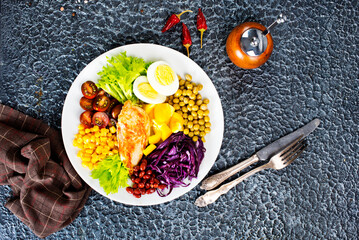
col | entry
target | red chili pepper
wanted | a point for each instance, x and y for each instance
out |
(201, 23)
(173, 20)
(186, 38)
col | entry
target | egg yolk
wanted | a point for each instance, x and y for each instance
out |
(164, 75)
(146, 90)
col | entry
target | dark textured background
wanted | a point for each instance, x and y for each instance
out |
(313, 72)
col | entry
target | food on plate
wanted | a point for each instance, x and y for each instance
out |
(176, 160)
(145, 92)
(173, 20)
(188, 102)
(144, 181)
(133, 130)
(201, 23)
(117, 77)
(89, 89)
(130, 130)
(86, 104)
(162, 78)
(100, 119)
(95, 144)
(101, 103)
(186, 38)
(111, 173)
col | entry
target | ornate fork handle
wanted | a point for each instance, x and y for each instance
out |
(212, 196)
(215, 180)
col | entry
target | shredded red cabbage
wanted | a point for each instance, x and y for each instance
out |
(175, 160)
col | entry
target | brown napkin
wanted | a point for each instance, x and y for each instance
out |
(48, 194)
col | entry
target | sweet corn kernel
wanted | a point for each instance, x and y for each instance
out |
(112, 129)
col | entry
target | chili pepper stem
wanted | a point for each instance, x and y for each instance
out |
(187, 47)
(202, 31)
(179, 15)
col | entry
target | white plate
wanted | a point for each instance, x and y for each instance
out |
(181, 65)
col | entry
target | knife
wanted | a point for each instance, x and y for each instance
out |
(262, 155)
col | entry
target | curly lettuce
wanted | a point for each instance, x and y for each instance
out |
(117, 77)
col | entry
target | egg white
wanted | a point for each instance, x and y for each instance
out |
(167, 90)
(143, 79)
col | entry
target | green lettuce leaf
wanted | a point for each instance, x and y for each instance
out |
(111, 173)
(117, 77)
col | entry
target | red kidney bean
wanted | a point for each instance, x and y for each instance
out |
(157, 181)
(143, 191)
(137, 191)
(142, 173)
(133, 178)
(143, 167)
(152, 180)
(147, 185)
(149, 172)
(151, 190)
(129, 190)
(162, 186)
(137, 195)
(137, 180)
(136, 168)
(134, 185)
(141, 185)
(135, 174)
(155, 185)
(146, 177)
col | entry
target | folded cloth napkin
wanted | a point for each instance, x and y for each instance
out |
(48, 194)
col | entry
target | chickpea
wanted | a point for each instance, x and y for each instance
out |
(185, 122)
(203, 140)
(187, 83)
(201, 122)
(195, 138)
(190, 125)
(206, 113)
(203, 107)
(206, 119)
(186, 131)
(195, 108)
(182, 82)
(199, 97)
(185, 115)
(200, 87)
(207, 130)
(176, 106)
(184, 109)
(191, 102)
(181, 98)
(182, 104)
(195, 117)
(200, 112)
(206, 100)
(181, 87)
(195, 90)
(190, 134)
(208, 124)
(175, 100)
(190, 86)
(170, 102)
(199, 102)
(201, 128)
(194, 114)
(200, 116)
(185, 100)
(179, 77)
(190, 117)
(196, 132)
(196, 127)
(195, 122)
(202, 134)
(188, 77)
(189, 92)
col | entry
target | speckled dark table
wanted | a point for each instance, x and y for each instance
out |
(313, 72)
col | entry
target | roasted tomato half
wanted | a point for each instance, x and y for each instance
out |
(86, 104)
(86, 118)
(100, 119)
(113, 103)
(89, 89)
(101, 103)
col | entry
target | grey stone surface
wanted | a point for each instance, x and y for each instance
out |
(313, 72)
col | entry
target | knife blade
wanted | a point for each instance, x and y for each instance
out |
(262, 155)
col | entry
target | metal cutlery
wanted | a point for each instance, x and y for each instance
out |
(262, 155)
(278, 161)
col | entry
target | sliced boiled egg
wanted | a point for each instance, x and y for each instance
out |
(145, 92)
(162, 78)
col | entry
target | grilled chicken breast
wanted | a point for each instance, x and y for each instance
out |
(133, 130)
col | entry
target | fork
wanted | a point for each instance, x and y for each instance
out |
(278, 161)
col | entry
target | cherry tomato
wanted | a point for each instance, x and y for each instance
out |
(103, 92)
(100, 119)
(113, 103)
(86, 104)
(112, 123)
(86, 118)
(116, 111)
(89, 89)
(101, 103)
